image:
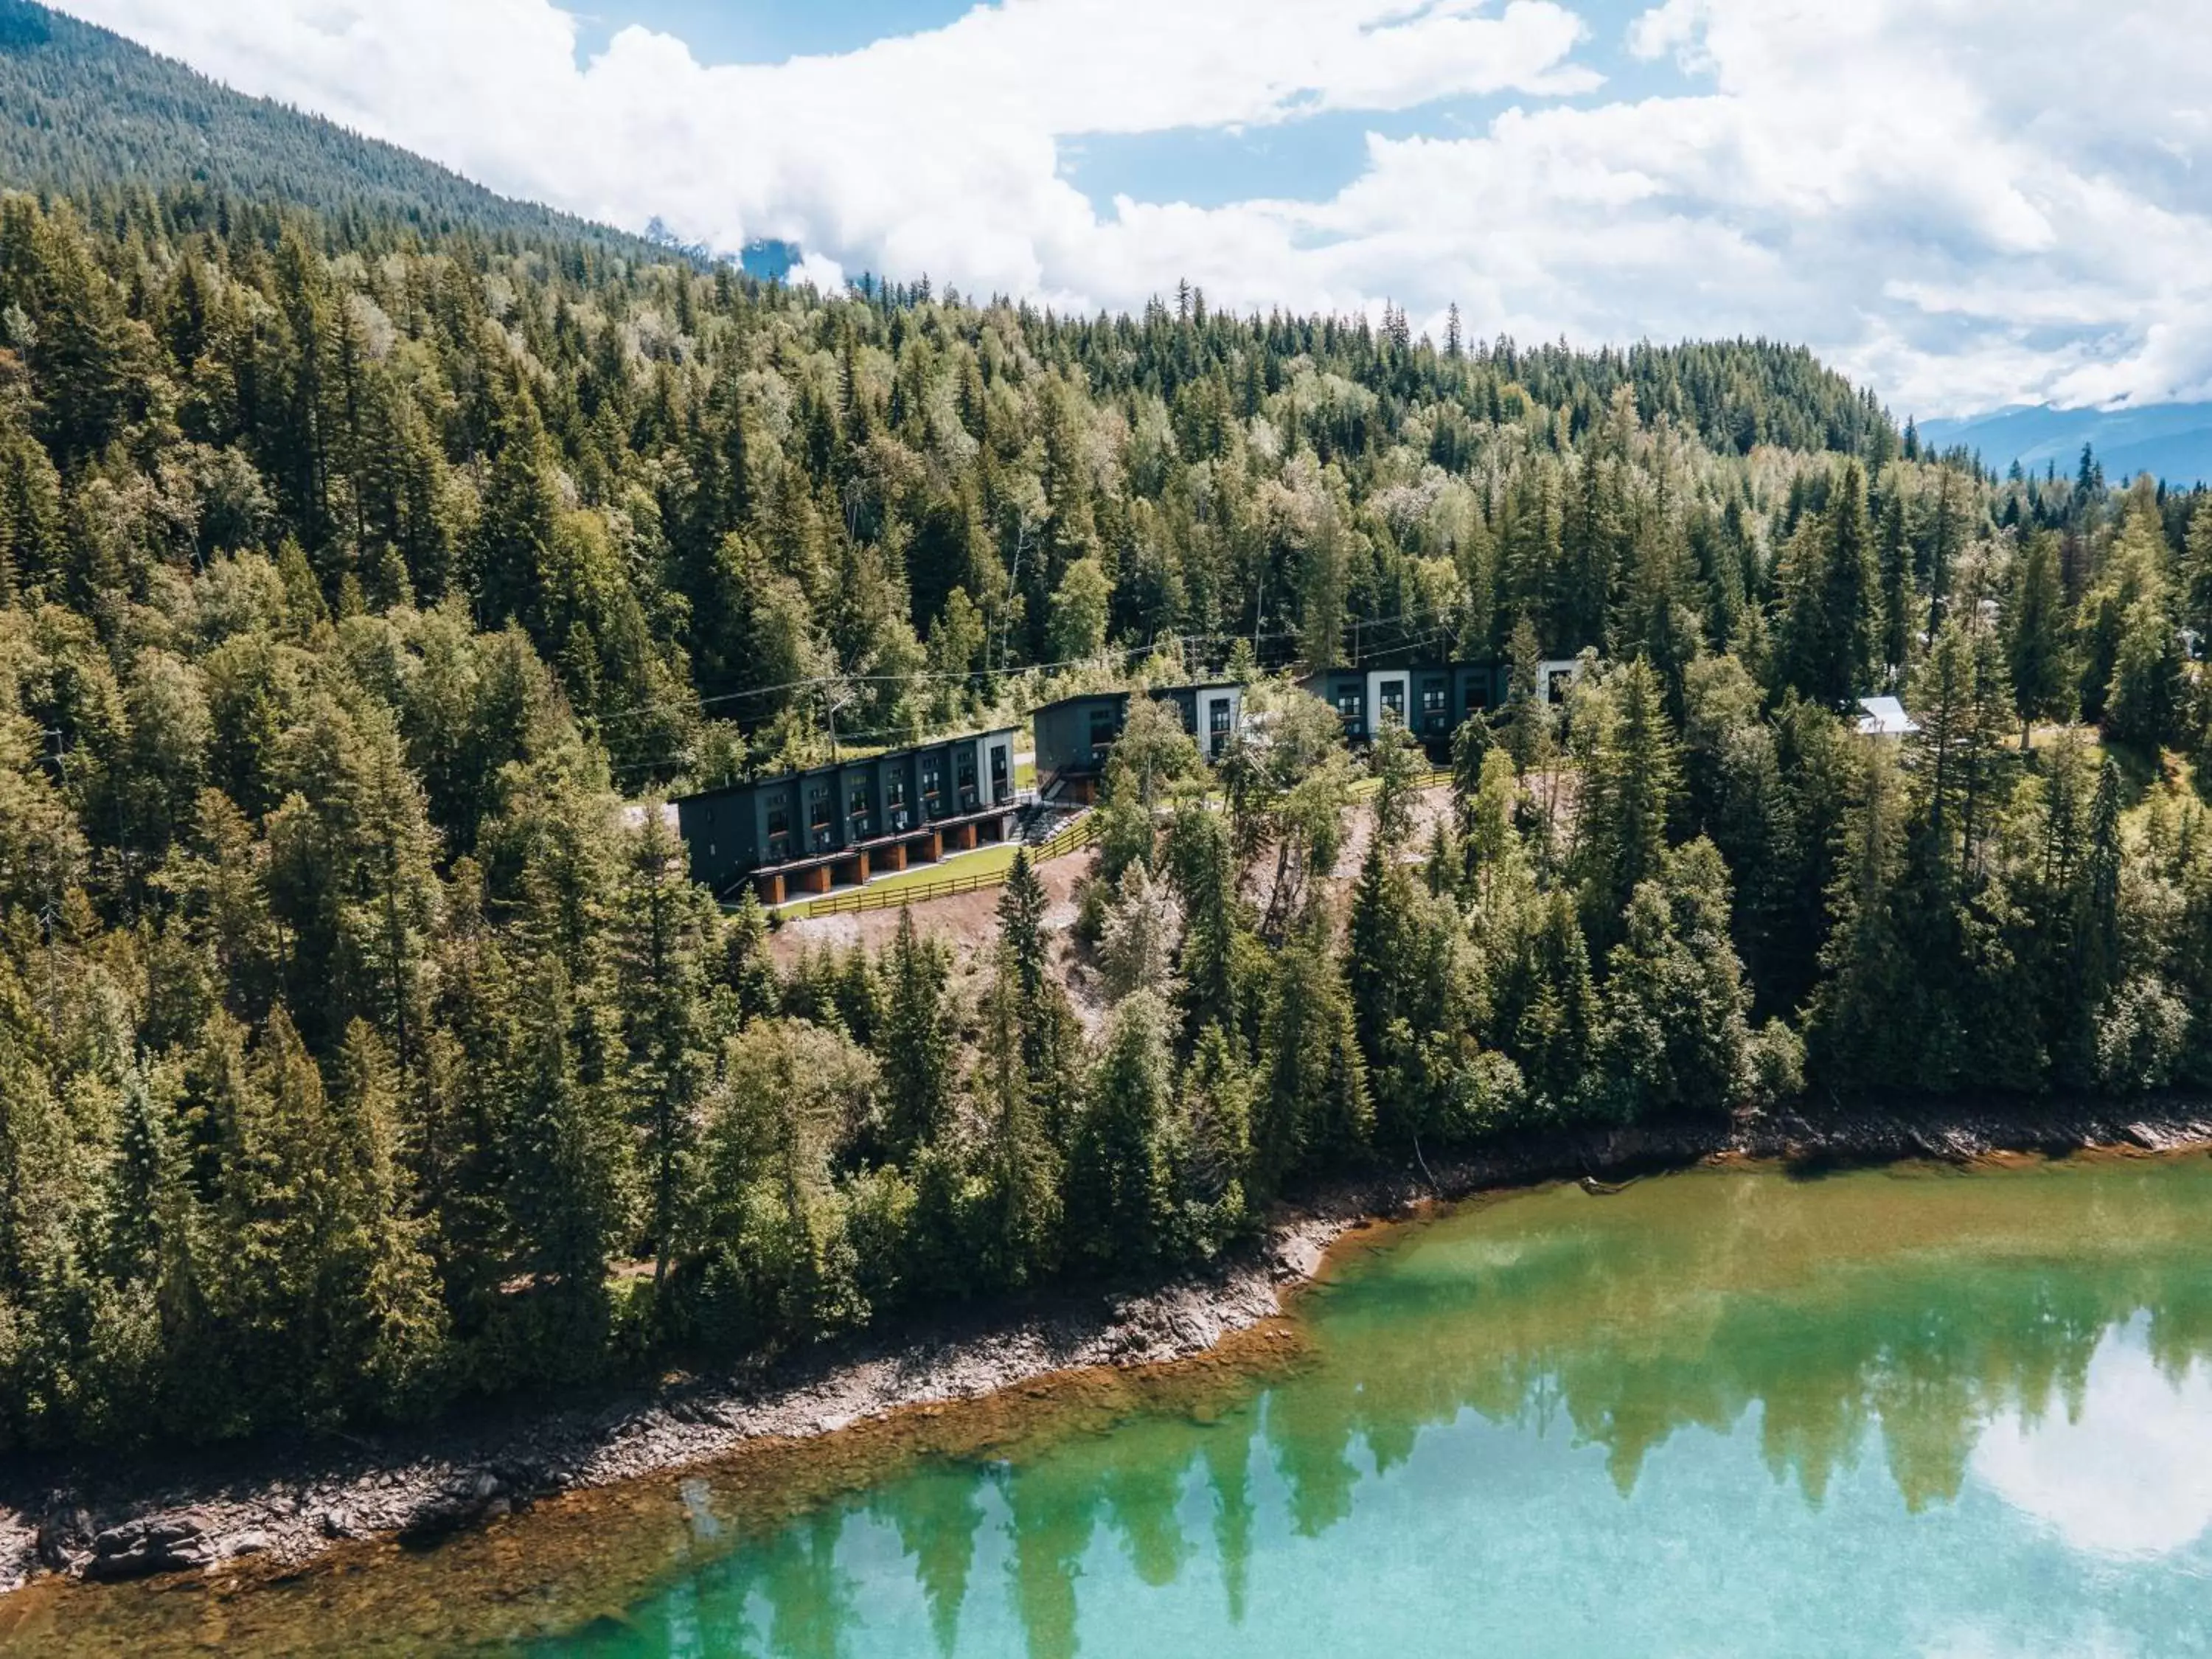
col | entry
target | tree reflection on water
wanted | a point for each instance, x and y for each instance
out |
(1917, 1316)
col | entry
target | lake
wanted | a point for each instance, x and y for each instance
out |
(1728, 1412)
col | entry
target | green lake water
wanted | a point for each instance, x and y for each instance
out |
(1901, 1412)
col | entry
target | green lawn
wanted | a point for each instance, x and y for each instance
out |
(984, 862)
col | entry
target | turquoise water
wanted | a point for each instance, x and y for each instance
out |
(1721, 1414)
(1967, 1416)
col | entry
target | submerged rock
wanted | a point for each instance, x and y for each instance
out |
(143, 1547)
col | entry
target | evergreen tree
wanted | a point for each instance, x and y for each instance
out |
(918, 1045)
(1861, 1028)
(1829, 635)
(2035, 628)
(1674, 1035)
(1629, 795)
(747, 968)
(1021, 1207)
(398, 1327)
(662, 924)
(568, 1191)
(1894, 558)
(1315, 1108)
(1118, 1191)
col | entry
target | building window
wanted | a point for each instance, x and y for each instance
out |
(779, 833)
(1217, 717)
(1102, 733)
(818, 816)
(1478, 696)
(1394, 699)
(932, 786)
(1002, 781)
(894, 801)
(1189, 711)
(1347, 707)
(857, 809)
(964, 769)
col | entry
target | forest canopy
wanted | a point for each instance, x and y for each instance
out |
(364, 1044)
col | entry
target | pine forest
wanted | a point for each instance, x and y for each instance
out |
(366, 584)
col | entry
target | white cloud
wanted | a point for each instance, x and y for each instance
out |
(2128, 1474)
(1962, 202)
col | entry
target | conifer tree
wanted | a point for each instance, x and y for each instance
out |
(398, 1326)
(747, 968)
(661, 927)
(917, 1044)
(1829, 637)
(1118, 1192)
(1020, 1208)
(1893, 559)
(1528, 709)
(1548, 1009)
(1395, 762)
(1674, 1037)
(569, 1185)
(1315, 1107)
(1630, 790)
(1211, 1156)
(1200, 862)
(2035, 626)
(1861, 1027)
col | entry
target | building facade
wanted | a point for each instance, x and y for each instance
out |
(1431, 699)
(1075, 735)
(835, 826)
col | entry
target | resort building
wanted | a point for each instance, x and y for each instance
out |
(835, 826)
(1430, 700)
(1075, 735)
(1885, 717)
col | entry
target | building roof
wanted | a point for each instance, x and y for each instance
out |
(1131, 691)
(831, 768)
(1886, 717)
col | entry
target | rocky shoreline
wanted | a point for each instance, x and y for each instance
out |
(273, 1507)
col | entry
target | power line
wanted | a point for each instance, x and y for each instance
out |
(1416, 641)
(956, 675)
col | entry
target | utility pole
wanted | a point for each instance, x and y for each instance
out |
(834, 696)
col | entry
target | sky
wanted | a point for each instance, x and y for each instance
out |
(1963, 203)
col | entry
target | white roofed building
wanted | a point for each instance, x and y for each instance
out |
(1885, 717)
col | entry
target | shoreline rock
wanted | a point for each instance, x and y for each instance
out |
(274, 1507)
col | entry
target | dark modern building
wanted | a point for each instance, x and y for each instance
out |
(1075, 735)
(1433, 700)
(835, 826)
(1430, 700)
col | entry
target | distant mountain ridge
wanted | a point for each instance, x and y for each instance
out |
(83, 112)
(2171, 441)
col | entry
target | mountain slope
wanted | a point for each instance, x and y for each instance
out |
(2173, 441)
(83, 110)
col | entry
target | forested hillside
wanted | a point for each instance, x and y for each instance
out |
(86, 114)
(358, 1051)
